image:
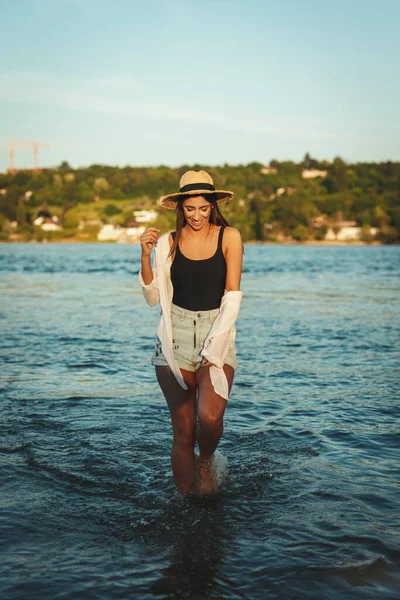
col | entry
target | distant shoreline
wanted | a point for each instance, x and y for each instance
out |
(315, 243)
(249, 242)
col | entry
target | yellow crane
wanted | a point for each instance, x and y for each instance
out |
(14, 145)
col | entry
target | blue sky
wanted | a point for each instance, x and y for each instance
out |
(218, 81)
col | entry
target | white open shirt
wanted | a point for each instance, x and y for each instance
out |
(221, 335)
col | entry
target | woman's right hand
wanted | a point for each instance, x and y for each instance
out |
(148, 239)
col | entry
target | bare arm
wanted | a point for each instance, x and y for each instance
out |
(147, 240)
(233, 251)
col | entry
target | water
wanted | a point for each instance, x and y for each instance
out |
(310, 508)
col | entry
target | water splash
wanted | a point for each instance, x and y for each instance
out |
(220, 468)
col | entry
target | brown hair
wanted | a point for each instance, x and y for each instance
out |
(216, 218)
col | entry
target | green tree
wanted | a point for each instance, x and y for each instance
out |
(21, 212)
(339, 172)
(366, 235)
(64, 167)
(70, 219)
(309, 162)
(300, 233)
(388, 235)
(112, 209)
(101, 186)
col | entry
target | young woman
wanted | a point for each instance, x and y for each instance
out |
(196, 278)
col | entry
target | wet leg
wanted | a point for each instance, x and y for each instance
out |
(210, 408)
(182, 408)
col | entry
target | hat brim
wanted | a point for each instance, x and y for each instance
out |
(171, 200)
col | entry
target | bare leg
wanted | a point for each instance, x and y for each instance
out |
(211, 408)
(182, 408)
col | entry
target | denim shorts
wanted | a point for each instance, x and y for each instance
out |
(189, 331)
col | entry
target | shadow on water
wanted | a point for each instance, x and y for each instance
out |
(198, 541)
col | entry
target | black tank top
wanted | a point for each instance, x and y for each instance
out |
(199, 284)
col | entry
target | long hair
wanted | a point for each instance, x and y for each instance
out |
(216, 218)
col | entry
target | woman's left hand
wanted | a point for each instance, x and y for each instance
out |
(206, 363)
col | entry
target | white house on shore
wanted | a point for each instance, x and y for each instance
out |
(46, 221)
(348, 233)
(145, 216)
(128, 235)
(268, 170)
(312, 173)
(121, 235)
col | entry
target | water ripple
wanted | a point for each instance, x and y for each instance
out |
(310, 505)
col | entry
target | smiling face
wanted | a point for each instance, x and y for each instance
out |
(196, 211)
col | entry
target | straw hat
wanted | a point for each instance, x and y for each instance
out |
(195, 183)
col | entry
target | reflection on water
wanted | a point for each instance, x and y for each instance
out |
(197, 539)
(310, 506)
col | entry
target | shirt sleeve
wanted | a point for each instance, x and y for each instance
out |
(150, 291)
(219, 338)
(216, 348)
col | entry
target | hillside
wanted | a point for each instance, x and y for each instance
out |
(276, 202)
